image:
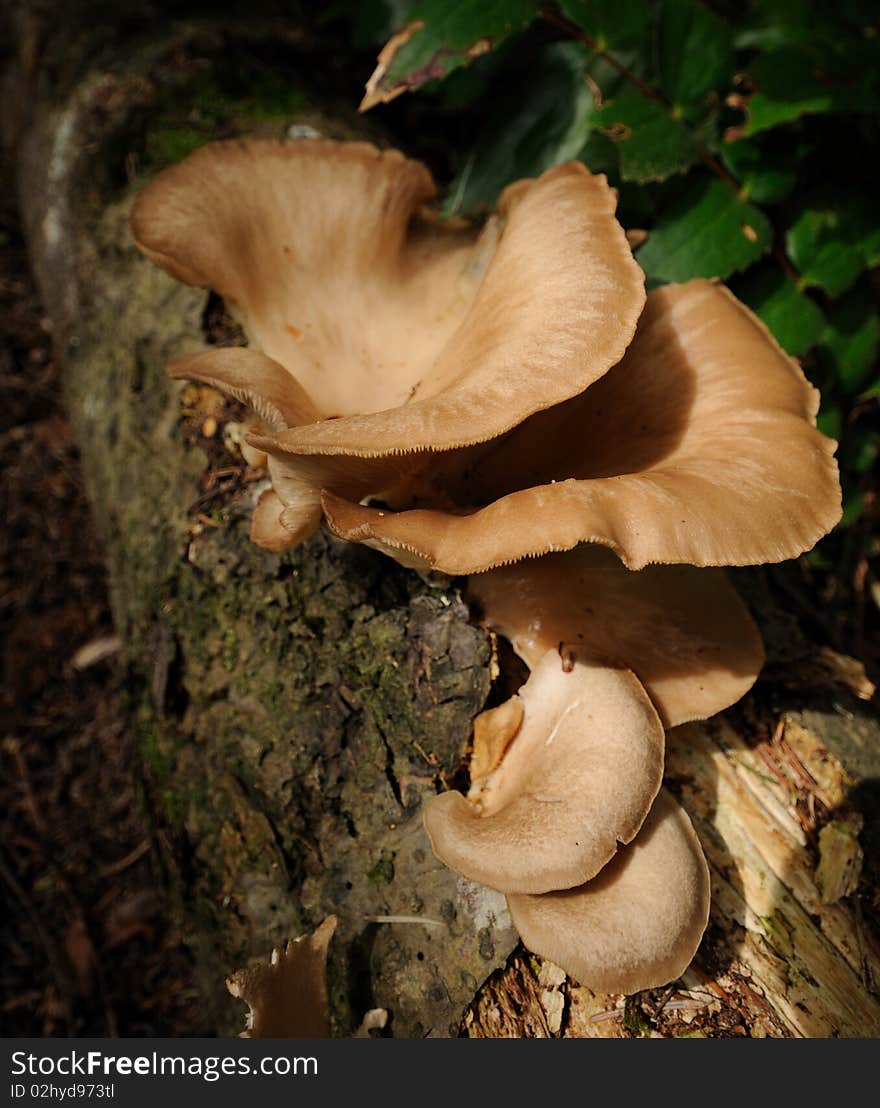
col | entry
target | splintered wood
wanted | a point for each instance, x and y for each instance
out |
(787, 951)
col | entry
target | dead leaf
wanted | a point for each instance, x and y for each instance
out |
(375, 93)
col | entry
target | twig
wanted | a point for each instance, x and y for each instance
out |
(62, 984)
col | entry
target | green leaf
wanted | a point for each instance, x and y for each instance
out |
(861, 219)
(373, 21)
(695, 52)
(708, 231)
(852, 338)
(830, 422)
(547, 121)
(859, 452)
(652, 145)
(766, 177)
(612, 24)
(793, 318)
(791, 83)
(853, 506)
(822, 245)
(872, 390)
(840, 26)
(441, 37)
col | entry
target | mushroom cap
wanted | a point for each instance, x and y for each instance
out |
(288, 994)
(419, 335)
(263, 384)
(577, 779)
(639, 923)
(699, 447)
(684, 632)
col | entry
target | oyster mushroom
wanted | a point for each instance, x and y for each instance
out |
(638, 924)
(405, 336)
(287, 996)
(537, 810)
(698, 447)
(683, 631)
(579, 774)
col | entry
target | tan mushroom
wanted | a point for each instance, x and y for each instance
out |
(684, 632)
(639, 923)
(403, 335)
(699, 447)
(574, 776)
(287, 996)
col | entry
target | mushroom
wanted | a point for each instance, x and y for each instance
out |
(683, 631)
(512, 397)
(401, 337)
(699, 447)
(287, 996)
(565, 772)
(603, 871)
(637, 925)
(577, 779)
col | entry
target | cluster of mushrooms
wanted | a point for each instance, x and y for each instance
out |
(504, 402)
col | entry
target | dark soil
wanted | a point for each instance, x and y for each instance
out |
(85, 943)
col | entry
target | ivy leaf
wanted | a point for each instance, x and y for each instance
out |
(440, 38)
(707, 231)
(791, 83)
(830, 422)
(612, 24)
(852, 339)
(373, 21)
(652, 145)
(861, 453)
(695, 52)
(861, 221)
(766, 177)
(547, 122)
(820, 244)
(793, 318)
(840, 27)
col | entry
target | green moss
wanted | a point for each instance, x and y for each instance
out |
(382, 873)
(173, 806)
(269, 97)
(634, 1019)
(173, 144)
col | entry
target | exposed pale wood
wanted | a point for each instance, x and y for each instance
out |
(778, 959)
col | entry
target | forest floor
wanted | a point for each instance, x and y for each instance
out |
(85, 943)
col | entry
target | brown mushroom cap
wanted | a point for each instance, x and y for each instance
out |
(699, 447)
(399, 334)
(260, 382)
(684, 632)
(442, 335)
(288, 994)
(639, 923)
(578, 779)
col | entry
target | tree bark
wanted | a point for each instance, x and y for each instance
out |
(294, 711)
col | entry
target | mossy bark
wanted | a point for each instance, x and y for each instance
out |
(295, 711)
